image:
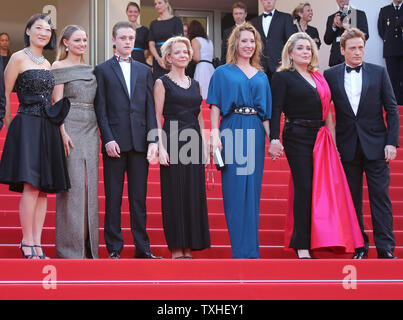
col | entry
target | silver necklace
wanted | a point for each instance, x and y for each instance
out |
(38, 60)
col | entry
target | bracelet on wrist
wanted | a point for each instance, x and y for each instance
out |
(275, 141)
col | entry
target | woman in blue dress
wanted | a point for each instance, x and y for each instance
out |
(240, 93)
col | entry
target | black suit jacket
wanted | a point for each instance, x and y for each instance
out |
(224, 44)
(368, 125)
(331, 36)
(281, 28)
(120, 118)
(2, 95)
(390, 29)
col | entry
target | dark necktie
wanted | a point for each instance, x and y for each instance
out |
(120, 59)
(357, 69)
(267, 14)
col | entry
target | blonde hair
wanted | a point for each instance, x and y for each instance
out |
(286, 61)
(66, 34)
(350, 34)
(233, 41)
(166, 48)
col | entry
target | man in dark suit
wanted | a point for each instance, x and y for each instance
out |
(2, 95)
(390, 28)
(335, 27)
(239, 13)
(360, 92)
(275, 28)
(125, 112)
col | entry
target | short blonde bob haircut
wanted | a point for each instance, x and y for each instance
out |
(233, 42)
(286, 61)
(166, 48)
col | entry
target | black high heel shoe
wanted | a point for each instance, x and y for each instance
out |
(33, 254)
(43, 252)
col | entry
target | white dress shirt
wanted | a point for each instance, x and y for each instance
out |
(353, 86)
(126, 69)
(266, 22)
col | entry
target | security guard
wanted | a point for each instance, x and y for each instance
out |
(390, 28)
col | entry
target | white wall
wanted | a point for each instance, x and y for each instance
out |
(323, 8)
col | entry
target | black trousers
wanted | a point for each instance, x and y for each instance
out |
(298, 146)
(135, 165)
(378, 179)
(395, 70)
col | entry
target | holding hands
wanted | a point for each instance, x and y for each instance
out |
(275, 149)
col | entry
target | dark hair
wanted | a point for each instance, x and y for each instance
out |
(196, 30)
(120, 25)
(239, 5)
(132, 4)
(9, 53)
(53, 39)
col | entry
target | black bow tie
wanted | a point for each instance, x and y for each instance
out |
(357, 69)
(267, 14)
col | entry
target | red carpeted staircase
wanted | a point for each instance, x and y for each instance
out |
(268, 278)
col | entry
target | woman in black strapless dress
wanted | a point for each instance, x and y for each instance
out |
(33, 160)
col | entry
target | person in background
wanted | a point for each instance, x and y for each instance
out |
(239, 92)
(140, 51)
(361, 93)
(183, 189)
(203, 54)
(33, 160)
(275, 28)
(335, 27)
(5, 48)
(186, 30)
(318, 217)
(390, 29)
(161, 29)
(2, 97)
(239, 13)
(77, 234)
(302, 15)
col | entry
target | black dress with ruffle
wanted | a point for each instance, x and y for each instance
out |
(33, 151)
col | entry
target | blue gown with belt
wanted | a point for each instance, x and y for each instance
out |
(243, 139)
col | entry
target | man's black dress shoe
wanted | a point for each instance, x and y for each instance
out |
(114, 255)
(385, 254)
(149, 255)
(361, 254)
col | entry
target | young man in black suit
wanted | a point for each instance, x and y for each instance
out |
(275, 28)
(239, 13)
(125, 112)
(2, 95)
(360, 93)
(335, 28)
(390, 28)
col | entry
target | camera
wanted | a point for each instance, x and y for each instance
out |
(345, 14)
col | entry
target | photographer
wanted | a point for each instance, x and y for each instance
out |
(344, 19)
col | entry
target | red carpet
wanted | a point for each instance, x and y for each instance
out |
(272, 277)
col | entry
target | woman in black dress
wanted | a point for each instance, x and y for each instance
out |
(140, 51)
(33, 160)
(161, 29)
(303, 15)
(184, 206)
